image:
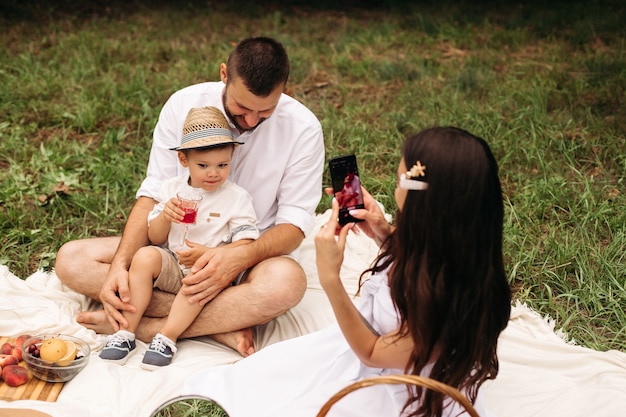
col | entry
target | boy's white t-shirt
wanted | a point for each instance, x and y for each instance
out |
(224, 215)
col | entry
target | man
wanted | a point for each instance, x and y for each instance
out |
(281, 166)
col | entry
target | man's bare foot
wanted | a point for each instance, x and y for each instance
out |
(149, 327)
(240, 340)
(96, 321)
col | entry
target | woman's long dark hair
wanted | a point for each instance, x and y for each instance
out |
(448, 280)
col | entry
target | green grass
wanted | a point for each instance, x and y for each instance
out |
(190, 407)
(543, 82)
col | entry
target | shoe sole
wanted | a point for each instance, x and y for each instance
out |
(150, 367)
(120, 361)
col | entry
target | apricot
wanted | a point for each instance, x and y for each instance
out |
(14, 375)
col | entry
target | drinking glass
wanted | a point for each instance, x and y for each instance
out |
(189, 204)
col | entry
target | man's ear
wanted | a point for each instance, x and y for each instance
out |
(223, 73)
(182, 158)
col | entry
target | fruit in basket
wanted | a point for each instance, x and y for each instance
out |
(8, 360)
(71, 350)
(33, 349)
(14, 375)
(73, 361)
(53, 349)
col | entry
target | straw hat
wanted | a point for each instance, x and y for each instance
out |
(205, 127)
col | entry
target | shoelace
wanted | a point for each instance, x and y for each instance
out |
(116, 340)
(159, 345)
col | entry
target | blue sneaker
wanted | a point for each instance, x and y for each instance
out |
(119, 347)
(159, 353)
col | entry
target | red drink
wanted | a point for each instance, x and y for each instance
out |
(190, 215)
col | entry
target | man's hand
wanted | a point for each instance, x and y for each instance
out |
(115, 297)
(211, 273)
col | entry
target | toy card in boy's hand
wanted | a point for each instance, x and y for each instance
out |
(344, 175)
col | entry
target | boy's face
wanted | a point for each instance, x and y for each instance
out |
(209, 168)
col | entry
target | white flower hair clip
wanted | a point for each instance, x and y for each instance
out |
(410, 179)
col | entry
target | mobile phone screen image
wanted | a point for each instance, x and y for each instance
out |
(344, 175)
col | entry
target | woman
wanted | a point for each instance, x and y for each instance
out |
(434, 303)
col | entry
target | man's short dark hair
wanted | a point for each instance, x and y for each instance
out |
(261, 63)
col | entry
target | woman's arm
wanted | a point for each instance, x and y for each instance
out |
(374, 350)
(380, 351)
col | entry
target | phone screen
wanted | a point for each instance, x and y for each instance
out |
(344, 175)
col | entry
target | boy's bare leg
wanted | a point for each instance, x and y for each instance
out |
(145, 267)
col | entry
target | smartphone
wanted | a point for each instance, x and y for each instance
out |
(344, 175)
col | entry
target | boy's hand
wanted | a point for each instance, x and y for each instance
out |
(172, 212)
(188, 257)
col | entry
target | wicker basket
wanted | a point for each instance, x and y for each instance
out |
(401, 379)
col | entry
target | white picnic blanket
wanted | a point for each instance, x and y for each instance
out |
(541, 374)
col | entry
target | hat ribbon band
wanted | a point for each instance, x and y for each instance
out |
(199, 134)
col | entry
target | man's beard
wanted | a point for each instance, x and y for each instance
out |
(233, 119)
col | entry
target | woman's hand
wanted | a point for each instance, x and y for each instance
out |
(374, 223)
(329, 248)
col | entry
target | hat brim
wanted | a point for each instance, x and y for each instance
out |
(206, 143)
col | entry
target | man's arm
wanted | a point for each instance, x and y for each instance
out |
(281, 239)
(115, 294)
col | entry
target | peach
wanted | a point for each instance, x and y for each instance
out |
(6, 348)
(8, 360)
(19, 341)
(17, 352)
(14, 375)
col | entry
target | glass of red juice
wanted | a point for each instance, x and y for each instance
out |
(189, 204)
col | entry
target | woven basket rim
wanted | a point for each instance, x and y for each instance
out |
(401, 379)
